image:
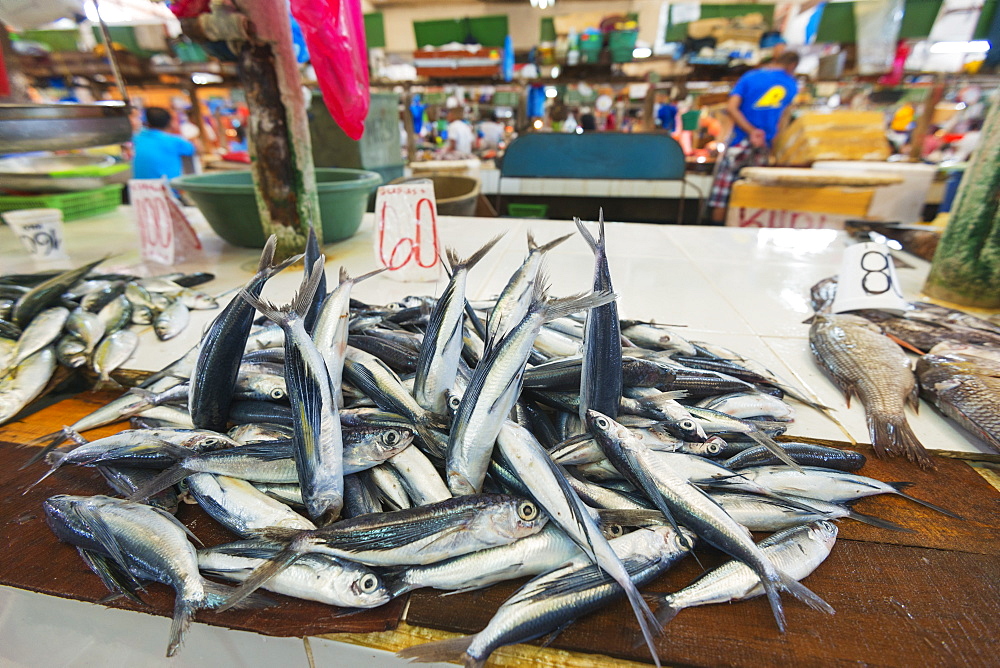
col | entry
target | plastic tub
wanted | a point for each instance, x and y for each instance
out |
(454, 195)
(227, 201)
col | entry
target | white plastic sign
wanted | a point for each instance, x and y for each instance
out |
(165, 235)
(868, 279)
(40, 232)
(406, 232)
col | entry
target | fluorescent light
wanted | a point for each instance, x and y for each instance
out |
(551, 92)
(555, 71)
(976, 46)
(642, 52)
(202, 78)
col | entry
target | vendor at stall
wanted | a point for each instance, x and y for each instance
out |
(158, 152)
(759, 106)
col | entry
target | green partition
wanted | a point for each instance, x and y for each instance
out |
(375, 30)
(676, 32)
(837, 23)
(486, 30)
(547, 30)
(918, 18)
(983, 27)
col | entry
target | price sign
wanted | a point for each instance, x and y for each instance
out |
(165, 234)
(40, 231)
(406, 234)
(868, 279)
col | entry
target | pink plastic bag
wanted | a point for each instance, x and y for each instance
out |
(335, 36)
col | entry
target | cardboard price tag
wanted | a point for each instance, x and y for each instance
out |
(165, 234)
(867, 279)
(406, 234)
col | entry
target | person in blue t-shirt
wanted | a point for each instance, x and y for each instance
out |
(158, 153)
(759, 105)
(666, 115)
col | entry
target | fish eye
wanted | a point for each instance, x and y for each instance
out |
(714, 448)
(687, 424)
(277, 393)
(454, 401)
(615, 530)
(390, 437)
(368, 583)
(527, 511)
(602, 422)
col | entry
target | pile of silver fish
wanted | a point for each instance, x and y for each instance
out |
(958, 371)
(79, 319)
(362, 451)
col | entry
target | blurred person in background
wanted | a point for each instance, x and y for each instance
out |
(759, 105)
(490, 132)
(460, 135)
(158, 148)
(666, 115)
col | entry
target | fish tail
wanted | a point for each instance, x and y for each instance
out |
(458, 263)
(876, 522)
(774, 598)
(544, 248)
(216, 594)
(648, 623)
(926, 504)
(55, 439)
(531, 242)
(804, 594)
(307, 291)
(344, 276)
(267, 255)
(761, 438)
(452, 649)
(665, 611)
(183, 613)
(560, 308)
(587, 236)
(263, 574)
(892, 435)
(168, 478)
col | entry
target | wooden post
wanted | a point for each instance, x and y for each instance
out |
(196, 115)
(411, 135)
(966, 266)
(649, 105)
(924, 122)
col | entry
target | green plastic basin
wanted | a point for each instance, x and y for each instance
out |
(226, 200)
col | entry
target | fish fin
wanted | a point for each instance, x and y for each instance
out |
(103, 534)
(183, 614)
(585, 233)
(457, 263)
(215, 595)
(629, 517)
(55, 439)
(452, 649)
(559, 308)
(277, 534)
(307, 291)
(365, 277)
(115, 578)
(344, 276)
(761, 438)
(876, 521)
(903, 344)
(531, 242)
(925, 504)
(269, 310)
(774, 599)
(552, 244)
(665, 612)
(892, 435)
(167, 516)
(551, 637)
(804, 594)
(262, 575)
(169, 477)
(913, 399)
(445, 533)
(267, 255)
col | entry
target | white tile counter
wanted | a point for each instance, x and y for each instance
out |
(745, 289)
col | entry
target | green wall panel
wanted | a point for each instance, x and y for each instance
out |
(677, 32)
(375, 30)
(487, 30)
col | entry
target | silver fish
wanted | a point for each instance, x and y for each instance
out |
(759, 513)
(313, 577)
(42, 331)
(256, 432)
(797, 552)
(25, 382)
(172, 320)
(71, 352)
(746, 405)
(116, 314)
(240, 507)
(418, 476)
(87, 327)
(113, 351)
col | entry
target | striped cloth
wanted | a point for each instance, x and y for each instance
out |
(736, 157)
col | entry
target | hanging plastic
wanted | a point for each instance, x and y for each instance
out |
(335, 36)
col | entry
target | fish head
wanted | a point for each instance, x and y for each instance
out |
(675, 543)
(512, 518)
(712, 447)
(63, 518)
(369, 590)
(205, 440)
(824, 532)
(395, 439)
(608, 432)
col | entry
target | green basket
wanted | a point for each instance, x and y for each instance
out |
(523, 210)
(73, 205)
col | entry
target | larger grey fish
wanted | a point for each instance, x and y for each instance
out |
(967, 389)
(601, 376)
(113, 351)
(495, 387)
(420, 535)
(684, 503)
(549, 488)
(437, 364)
(145, 542)
(759, 513)
(47, 292)
(25, 382)
(172, 320)
(555, 599)
(862, 361)
(797, 552)
(218, 360)
(319, 446)
(87, 327)
(314, 577)
(512, 304)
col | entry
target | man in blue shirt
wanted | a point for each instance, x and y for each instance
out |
(666, 115)
(158, 153)
(759, 105)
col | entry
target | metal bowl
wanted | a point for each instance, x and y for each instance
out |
(49, 127)
(61, 173)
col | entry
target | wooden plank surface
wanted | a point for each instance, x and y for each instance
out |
(35, 560)
(923, 598)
